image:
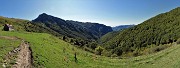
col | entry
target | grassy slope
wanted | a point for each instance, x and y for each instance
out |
(51, 52)
(18, 24)
(6, 45)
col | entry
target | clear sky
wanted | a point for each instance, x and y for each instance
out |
(108, 12)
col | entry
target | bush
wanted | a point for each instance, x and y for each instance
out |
(88, 49)
(118, 51)
(159, 48)
(135, 54)
(106, 53)
(114, 55)
(99, 50)
(92, 45)
(178, 41)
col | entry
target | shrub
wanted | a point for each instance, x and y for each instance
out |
(99, 50)
(93, 45)
(178, 41)
(107, 53)
(114, 55)
(159, 48)
(118, 51)
(135, 53)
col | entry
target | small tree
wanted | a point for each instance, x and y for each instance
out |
(118, 51)
(64, 38)
(93, 45)
(75, 57)
(71, 41)
(99, 50)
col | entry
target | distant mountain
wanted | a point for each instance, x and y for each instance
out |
(121, 27)
(157, 31)
(73, 29)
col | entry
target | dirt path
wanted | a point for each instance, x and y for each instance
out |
(24, 56)
(7, 37)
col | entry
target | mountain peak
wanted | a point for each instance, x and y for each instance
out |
(43, 14)
(48, 18)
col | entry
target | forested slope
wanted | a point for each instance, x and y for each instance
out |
(161, 29)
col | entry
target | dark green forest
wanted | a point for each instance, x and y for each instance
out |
(156, 31)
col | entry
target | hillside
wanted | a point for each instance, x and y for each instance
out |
(121, 27)
(48, 51)
(108, 36)
(158, 30)
(73, 29)
(79, 41)
(25, 25)
(19, 23)
(114, 33)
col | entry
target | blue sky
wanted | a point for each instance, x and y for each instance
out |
(108, 12)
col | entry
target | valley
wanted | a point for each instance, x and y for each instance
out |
(48, 41)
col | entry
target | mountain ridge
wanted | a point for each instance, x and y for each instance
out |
(73, 28)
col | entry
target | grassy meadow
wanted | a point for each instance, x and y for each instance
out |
(51, 52)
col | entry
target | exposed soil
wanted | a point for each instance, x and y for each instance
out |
(10, 58)
(24, 56)
(10, 38)
(23, 53)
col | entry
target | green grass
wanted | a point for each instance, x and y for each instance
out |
(50, 52)
(6, 46)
